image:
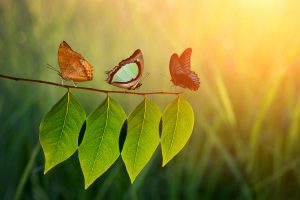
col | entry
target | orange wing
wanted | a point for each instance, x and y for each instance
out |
(72, 65)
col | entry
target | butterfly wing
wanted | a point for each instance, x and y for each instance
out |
(185, 60)
(181, 64)
(128, 73)
(72, 65)
(136, 57)
(175, 66)
(193, 82)
(180, 71)
(176, 70)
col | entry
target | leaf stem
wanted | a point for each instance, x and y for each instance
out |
(85, 88)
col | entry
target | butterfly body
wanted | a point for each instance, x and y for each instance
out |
(127, 74)
(73, 67)
(181, 75)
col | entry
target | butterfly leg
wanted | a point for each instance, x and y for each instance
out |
(74, 83)
(62, 81)
(175, 88)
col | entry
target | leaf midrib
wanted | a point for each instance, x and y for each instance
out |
(175, 128)
(64, 123)
(142, 127)
(102, 137)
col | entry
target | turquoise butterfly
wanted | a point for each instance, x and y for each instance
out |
(128, 73)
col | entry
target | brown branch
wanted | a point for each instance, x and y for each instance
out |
(85, 88)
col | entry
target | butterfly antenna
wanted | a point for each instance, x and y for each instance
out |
(52, 68)
(145, 76)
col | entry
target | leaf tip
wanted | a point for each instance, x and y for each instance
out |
(46, 170)
(86, 185)
(48, 167)
(132, 179)
(88, 181)
(132, 176)
(165, 162)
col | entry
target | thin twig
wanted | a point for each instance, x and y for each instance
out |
(85, 88)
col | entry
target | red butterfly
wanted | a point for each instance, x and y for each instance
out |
(181, 73)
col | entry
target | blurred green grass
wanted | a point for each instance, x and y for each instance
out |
(247, 110)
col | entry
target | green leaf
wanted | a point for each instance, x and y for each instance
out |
(100, 146)
(59, 130)
(142, 137)
(177, 127)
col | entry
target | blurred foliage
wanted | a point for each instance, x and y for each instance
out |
(247, 111)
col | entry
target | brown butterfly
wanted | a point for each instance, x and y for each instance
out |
(73, 67)
(128, 73)
(180, 70)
